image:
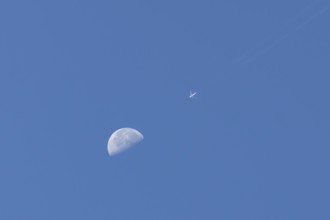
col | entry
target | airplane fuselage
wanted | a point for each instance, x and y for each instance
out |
(192, 94)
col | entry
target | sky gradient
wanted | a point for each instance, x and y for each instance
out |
(253, 145)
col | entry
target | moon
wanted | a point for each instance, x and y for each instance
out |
(123, 139)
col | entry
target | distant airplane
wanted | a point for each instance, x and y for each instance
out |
(192, 94)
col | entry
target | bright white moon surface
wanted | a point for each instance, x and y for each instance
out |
(123, 139)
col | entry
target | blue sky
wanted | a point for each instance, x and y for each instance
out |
(253, 145)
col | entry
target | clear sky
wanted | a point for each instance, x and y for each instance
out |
(253, 145)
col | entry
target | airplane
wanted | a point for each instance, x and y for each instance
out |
(192, 94)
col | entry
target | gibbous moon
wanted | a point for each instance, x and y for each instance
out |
(122, 139)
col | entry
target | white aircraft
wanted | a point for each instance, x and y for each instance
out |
(192, 94)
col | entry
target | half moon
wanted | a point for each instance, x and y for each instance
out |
(123, 139)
